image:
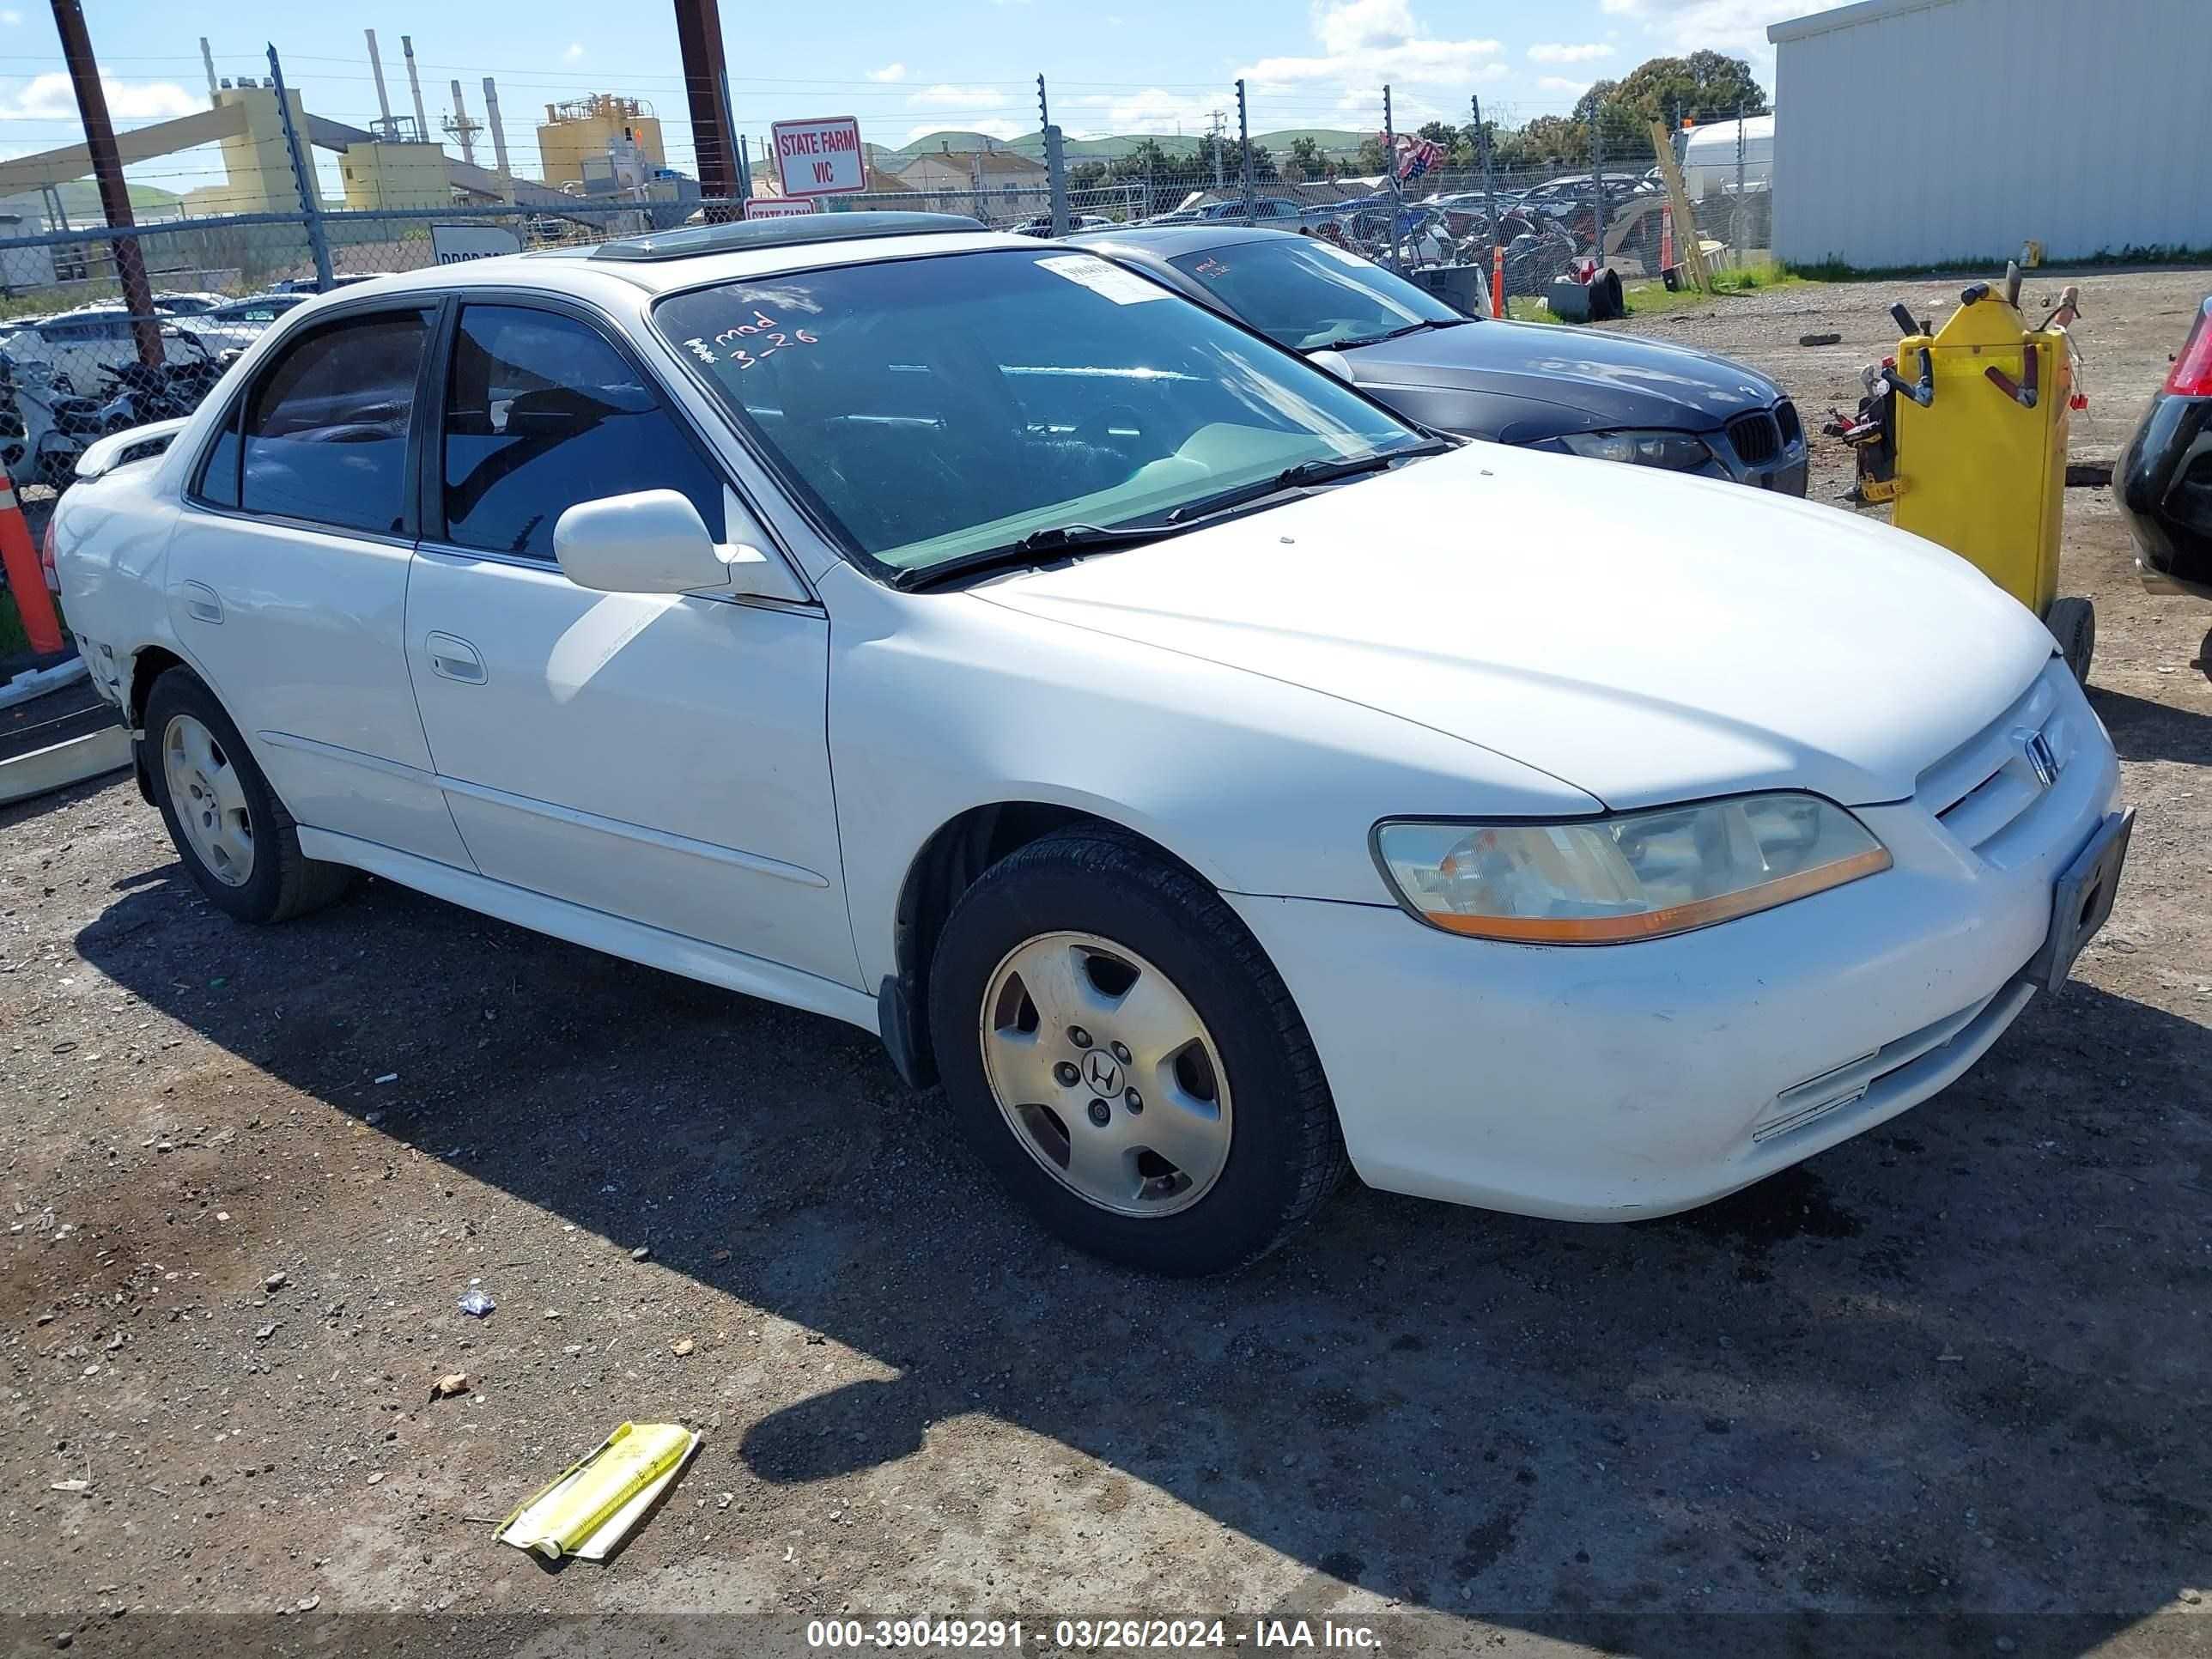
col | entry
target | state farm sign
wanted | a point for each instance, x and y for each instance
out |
(821, 157)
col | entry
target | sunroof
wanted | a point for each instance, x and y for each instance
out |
(742, 235)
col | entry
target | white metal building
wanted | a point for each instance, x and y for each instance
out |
(1934, 132)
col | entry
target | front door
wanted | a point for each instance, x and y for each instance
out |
(661, 758)
(287, 580)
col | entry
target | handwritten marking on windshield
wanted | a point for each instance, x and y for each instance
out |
(763, 327)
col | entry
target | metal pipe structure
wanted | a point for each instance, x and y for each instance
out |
(415, 85)
(206, 57)
(107, 170)
(498, 133)
(376, 73)
(462, 128)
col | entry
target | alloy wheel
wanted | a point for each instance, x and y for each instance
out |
(209, 799)
(1105, 1073)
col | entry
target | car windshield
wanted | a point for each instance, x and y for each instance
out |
(935, 408)
(1306, 294)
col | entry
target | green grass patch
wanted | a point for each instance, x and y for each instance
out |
(14, 641)
(1653, 298)
(1837, 270)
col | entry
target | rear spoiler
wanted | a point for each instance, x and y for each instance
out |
(139, 443)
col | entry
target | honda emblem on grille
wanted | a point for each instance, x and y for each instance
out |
(2041, 759)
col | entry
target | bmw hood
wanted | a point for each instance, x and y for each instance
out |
(1594, 379)
(1644, 636)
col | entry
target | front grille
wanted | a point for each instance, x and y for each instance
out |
(1988, 784)
(1756, 438)
(1785, 416)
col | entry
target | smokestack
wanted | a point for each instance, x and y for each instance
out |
(464, 129)
(206, 57)
(376, 69)
(415, 85)
(498, 133)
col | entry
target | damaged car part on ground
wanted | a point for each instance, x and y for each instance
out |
(1152, 787)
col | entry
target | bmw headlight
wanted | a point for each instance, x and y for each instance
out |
(1676, 451)
(1637, 876)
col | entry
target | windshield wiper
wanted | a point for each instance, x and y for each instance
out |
(1030, 550)
(1305, 472)
(1395, 333)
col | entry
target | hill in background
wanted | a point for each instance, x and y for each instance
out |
(1333, 141)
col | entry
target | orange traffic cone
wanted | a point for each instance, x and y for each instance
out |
(25, 579)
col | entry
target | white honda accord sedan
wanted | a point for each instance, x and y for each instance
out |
(1208, 776)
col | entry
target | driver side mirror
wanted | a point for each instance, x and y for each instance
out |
(654, 541)
(1334, 362)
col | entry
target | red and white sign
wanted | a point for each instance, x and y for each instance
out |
(777, 207)
(821, 157)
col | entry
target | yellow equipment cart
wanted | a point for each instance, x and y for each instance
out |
(1981, 450)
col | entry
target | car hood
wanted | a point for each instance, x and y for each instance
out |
(1646, 637)
(1598, 380)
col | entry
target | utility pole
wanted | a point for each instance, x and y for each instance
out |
(1213, 119)
(1245, 148)
(706, 86)
(107, 171)
(1482, 149)
(1390, 170)
(303, 176)
(1056, 163)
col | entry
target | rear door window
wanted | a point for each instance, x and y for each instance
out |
(325, 435)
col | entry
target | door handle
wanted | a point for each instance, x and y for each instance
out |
(454, 658)
(202, 602)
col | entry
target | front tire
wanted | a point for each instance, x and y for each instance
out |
(1122, 1055)
(2073, 623)
(231, 831)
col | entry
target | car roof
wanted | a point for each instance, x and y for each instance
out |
(658, 272)
(1173, 241)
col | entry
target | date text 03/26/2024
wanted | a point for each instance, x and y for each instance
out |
(1165, 1635)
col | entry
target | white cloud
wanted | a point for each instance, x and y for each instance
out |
(1002, 130)
(575, 54)
(1564, 87)
(1735, 27)
(1553, 53)
(12, 19)
(51, 97)
(888, 72)
(1368, 42)
(1152, 110)
(942, 96)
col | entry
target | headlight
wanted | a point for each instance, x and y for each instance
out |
(1606, 881)
(1676, 450)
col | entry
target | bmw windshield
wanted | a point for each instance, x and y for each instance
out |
(934, 410)
(1306, 293)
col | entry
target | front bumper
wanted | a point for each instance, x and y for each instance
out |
(1611, 1083)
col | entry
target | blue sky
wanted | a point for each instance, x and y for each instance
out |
(1113, 65)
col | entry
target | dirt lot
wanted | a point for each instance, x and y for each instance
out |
(1947, 1386)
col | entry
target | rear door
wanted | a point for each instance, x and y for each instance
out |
(287, 578)
(664, 758)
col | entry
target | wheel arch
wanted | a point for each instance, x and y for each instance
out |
(950, 861)
(147, 666)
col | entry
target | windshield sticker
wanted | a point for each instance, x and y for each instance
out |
(748, 342)
(1210, 266)
(1123, 288)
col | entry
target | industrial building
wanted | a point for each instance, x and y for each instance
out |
(589, 129)
(1916, 132)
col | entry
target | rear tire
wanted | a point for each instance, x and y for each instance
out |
(231, 831)
(1210, 1062)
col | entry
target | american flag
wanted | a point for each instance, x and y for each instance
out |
(1416, 156)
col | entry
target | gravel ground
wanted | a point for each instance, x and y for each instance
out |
(1944, 1386)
